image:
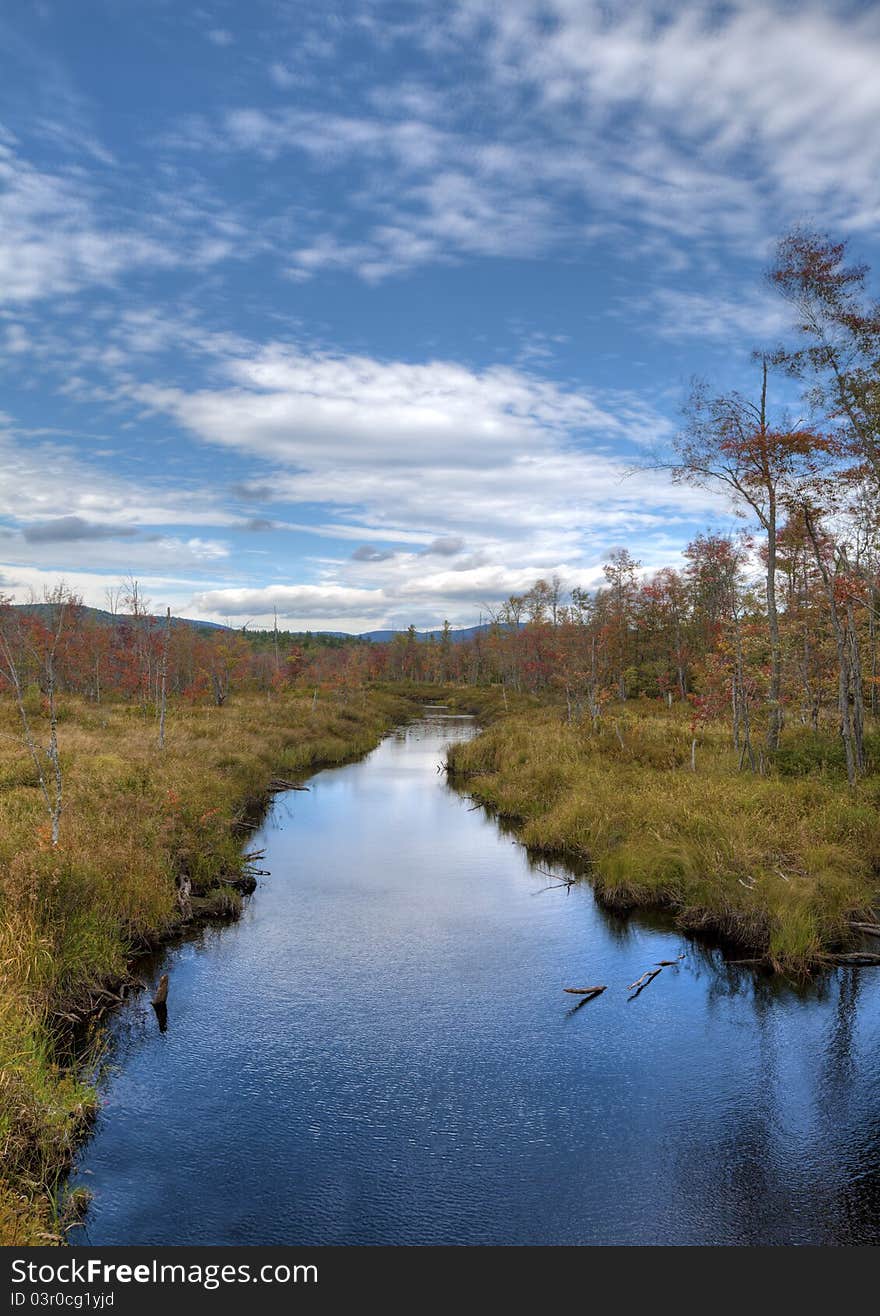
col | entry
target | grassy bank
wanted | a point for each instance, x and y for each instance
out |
(488, 703)
(778, 863)
(136, 820)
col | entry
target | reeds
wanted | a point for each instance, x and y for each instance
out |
(779, 863)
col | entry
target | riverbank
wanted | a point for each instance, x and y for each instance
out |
(137, 822)
(778, 864)
(408, 1070)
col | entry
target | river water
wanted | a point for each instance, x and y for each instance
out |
(380, 1052)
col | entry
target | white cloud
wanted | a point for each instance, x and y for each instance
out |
(309, 601)
(766, 98)
(692, 128)
(161, 591)
(679, 314)
(121, 556)
(45, 481)
(499, 475)
(51, 240)
(313, 410)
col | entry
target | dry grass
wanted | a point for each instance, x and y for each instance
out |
(779, 863)
(70, 917)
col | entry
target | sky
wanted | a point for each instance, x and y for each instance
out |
(375, 312)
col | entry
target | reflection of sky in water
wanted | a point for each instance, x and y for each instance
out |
(380, 1052)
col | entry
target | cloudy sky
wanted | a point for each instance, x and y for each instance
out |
(365, 310)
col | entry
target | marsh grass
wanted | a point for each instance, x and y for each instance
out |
(779, 863)
(136, 819)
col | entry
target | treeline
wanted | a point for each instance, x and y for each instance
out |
(130, 654)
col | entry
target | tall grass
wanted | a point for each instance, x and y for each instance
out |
(780, 863)
(136, 819)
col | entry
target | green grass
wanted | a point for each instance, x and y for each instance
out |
(779, 863)
(135, 819)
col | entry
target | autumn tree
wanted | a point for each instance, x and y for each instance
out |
(729, 443)
(621, 572)
(838, 327)
(32, 646)
(843, 591)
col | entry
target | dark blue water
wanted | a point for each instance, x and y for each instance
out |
(380, 1052)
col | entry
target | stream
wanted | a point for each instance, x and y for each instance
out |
(380, 1052)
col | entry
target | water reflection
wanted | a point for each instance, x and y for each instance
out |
(379, 1051)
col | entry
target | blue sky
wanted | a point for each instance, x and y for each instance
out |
(364, 311)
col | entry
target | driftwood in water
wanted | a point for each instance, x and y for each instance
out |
(280, 784)
(161, 991)
(565, 883)
(585, 991)
(563, 880)
(856, 957)
(555, 886)
(641, 983)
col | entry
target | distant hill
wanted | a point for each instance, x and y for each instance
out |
(457, 637)
(104, 618)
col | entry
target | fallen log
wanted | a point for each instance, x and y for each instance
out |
(584, 991)
(858, 957)
(870, 929)
(161, 991)
(280, 784)
(641, 983)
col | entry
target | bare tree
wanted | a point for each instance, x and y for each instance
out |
(114, 597)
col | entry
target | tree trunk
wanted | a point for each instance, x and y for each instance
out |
(54, 758)
(163, 683)
(774, 709)
(843, 652)
(856, 698)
